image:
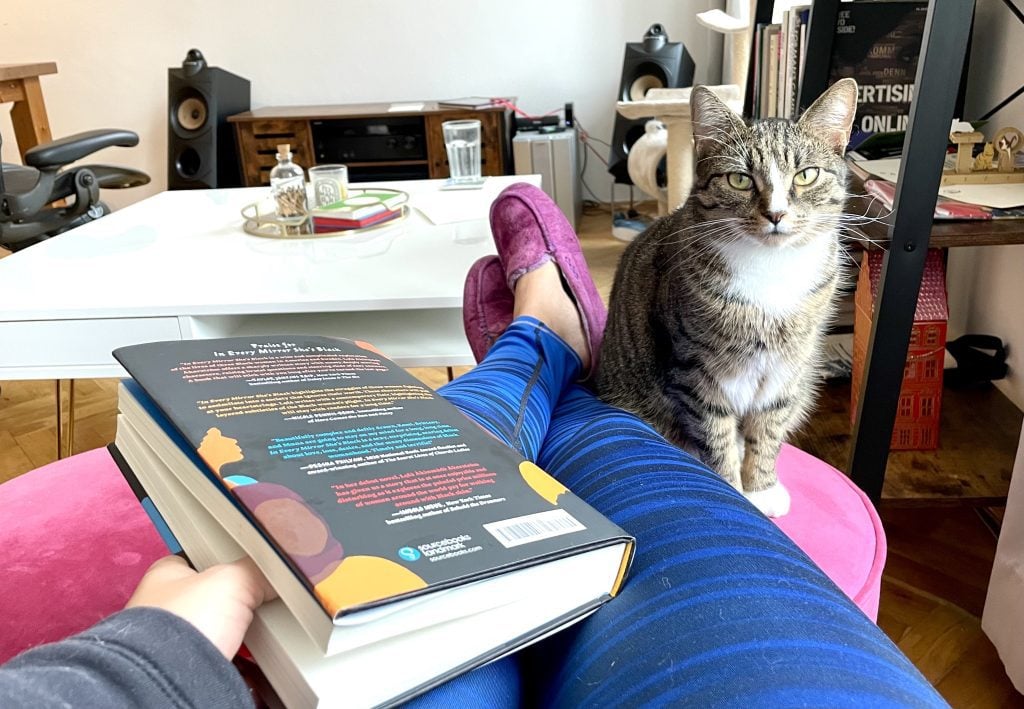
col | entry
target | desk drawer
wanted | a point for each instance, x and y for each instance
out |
(66, 349)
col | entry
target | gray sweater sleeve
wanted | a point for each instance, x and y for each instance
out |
(141, 657)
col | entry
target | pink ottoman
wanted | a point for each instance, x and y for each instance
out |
(835, 524)
(74, 543)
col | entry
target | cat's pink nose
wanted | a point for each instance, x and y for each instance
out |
(774, 217)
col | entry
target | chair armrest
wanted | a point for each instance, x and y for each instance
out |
(77, 146)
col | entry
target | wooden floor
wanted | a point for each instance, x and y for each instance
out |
(940, 555)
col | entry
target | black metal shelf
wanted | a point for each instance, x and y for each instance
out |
(943, 50)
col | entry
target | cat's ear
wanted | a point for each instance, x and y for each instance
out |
(714, 123)
(831, 116)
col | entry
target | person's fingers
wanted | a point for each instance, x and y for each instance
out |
(247, 567)
(170, 567)
(219, 601)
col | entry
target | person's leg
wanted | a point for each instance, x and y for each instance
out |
(512, 392)
(532, 340)
(493, 686)
(720, 608)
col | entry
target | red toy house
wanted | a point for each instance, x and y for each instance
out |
(917, 415)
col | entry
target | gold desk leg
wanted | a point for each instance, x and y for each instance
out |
(71, 417)
(60, 418)
(65, 445)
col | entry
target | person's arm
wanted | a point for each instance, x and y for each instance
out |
(140, 657)
(171, 646)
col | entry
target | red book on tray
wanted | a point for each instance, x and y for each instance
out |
(324, 224)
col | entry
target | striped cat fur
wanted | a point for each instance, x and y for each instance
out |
(718, 311)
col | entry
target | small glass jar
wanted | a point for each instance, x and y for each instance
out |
(288, 185)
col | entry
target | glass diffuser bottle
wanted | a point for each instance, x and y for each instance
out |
(288, 185)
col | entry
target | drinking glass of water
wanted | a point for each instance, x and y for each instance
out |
(462, 141)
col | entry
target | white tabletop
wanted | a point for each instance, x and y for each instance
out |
(181, 260)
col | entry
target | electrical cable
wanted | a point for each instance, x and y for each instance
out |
(515, 109)
(1020, 18)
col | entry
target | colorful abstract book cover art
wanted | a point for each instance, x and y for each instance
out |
(878, 44)
(370, 485)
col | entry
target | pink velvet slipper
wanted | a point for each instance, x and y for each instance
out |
(530, 230)
(487, 304)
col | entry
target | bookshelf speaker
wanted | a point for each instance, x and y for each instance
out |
(201, 149)
(653, 63)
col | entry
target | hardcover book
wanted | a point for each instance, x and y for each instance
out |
(360, 204)
(878, 44)
(396, 531)
(470, 102)
(329, 224)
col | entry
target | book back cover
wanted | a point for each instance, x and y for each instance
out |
(370, 485)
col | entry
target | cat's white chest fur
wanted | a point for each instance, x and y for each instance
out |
(777, 279)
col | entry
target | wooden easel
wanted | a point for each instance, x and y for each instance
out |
(20, 85)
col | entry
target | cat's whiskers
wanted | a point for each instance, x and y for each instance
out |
(706, 226)
(848, 230)
(709, 235)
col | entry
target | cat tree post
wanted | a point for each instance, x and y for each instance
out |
(735, 25)
(672, 107)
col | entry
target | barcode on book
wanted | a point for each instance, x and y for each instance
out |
(532, 528)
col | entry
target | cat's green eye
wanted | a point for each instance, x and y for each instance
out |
(805, 177)
(739, 181)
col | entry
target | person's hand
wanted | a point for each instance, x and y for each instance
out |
(219, 602)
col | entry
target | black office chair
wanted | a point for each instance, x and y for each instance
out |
(40, 199)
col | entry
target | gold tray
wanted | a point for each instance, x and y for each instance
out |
(261, 219)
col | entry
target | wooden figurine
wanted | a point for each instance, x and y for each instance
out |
(1008, 141)
(996, 164)
(984, 161)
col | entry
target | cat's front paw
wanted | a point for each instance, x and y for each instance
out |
(773, 502)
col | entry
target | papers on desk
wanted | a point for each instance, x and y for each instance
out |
(406, 107)
(451, 206)
(1005, 196)
(994, 196)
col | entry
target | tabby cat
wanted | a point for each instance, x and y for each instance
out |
(718, 311)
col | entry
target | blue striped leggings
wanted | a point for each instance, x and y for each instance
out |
(720, 608)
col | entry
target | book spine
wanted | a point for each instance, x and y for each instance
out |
(792, 63)
(756, 103)
(773, 72)
(173, 546)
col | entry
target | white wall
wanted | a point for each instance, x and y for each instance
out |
(113, 57)
(986, 284)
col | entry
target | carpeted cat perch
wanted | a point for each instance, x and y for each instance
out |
(672, 108)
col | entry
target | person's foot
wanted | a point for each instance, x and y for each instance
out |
(533, 236)
(539, 293)
(487, 305)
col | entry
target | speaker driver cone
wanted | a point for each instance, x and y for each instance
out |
(642, 84)
(192, 113)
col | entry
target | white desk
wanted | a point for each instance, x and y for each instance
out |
(178, 265)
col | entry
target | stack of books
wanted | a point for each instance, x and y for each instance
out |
(876, 43)
(359, 209)
(779, 54)
(406, 544)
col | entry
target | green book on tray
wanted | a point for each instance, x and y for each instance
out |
(360, 204)
(406, 544)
